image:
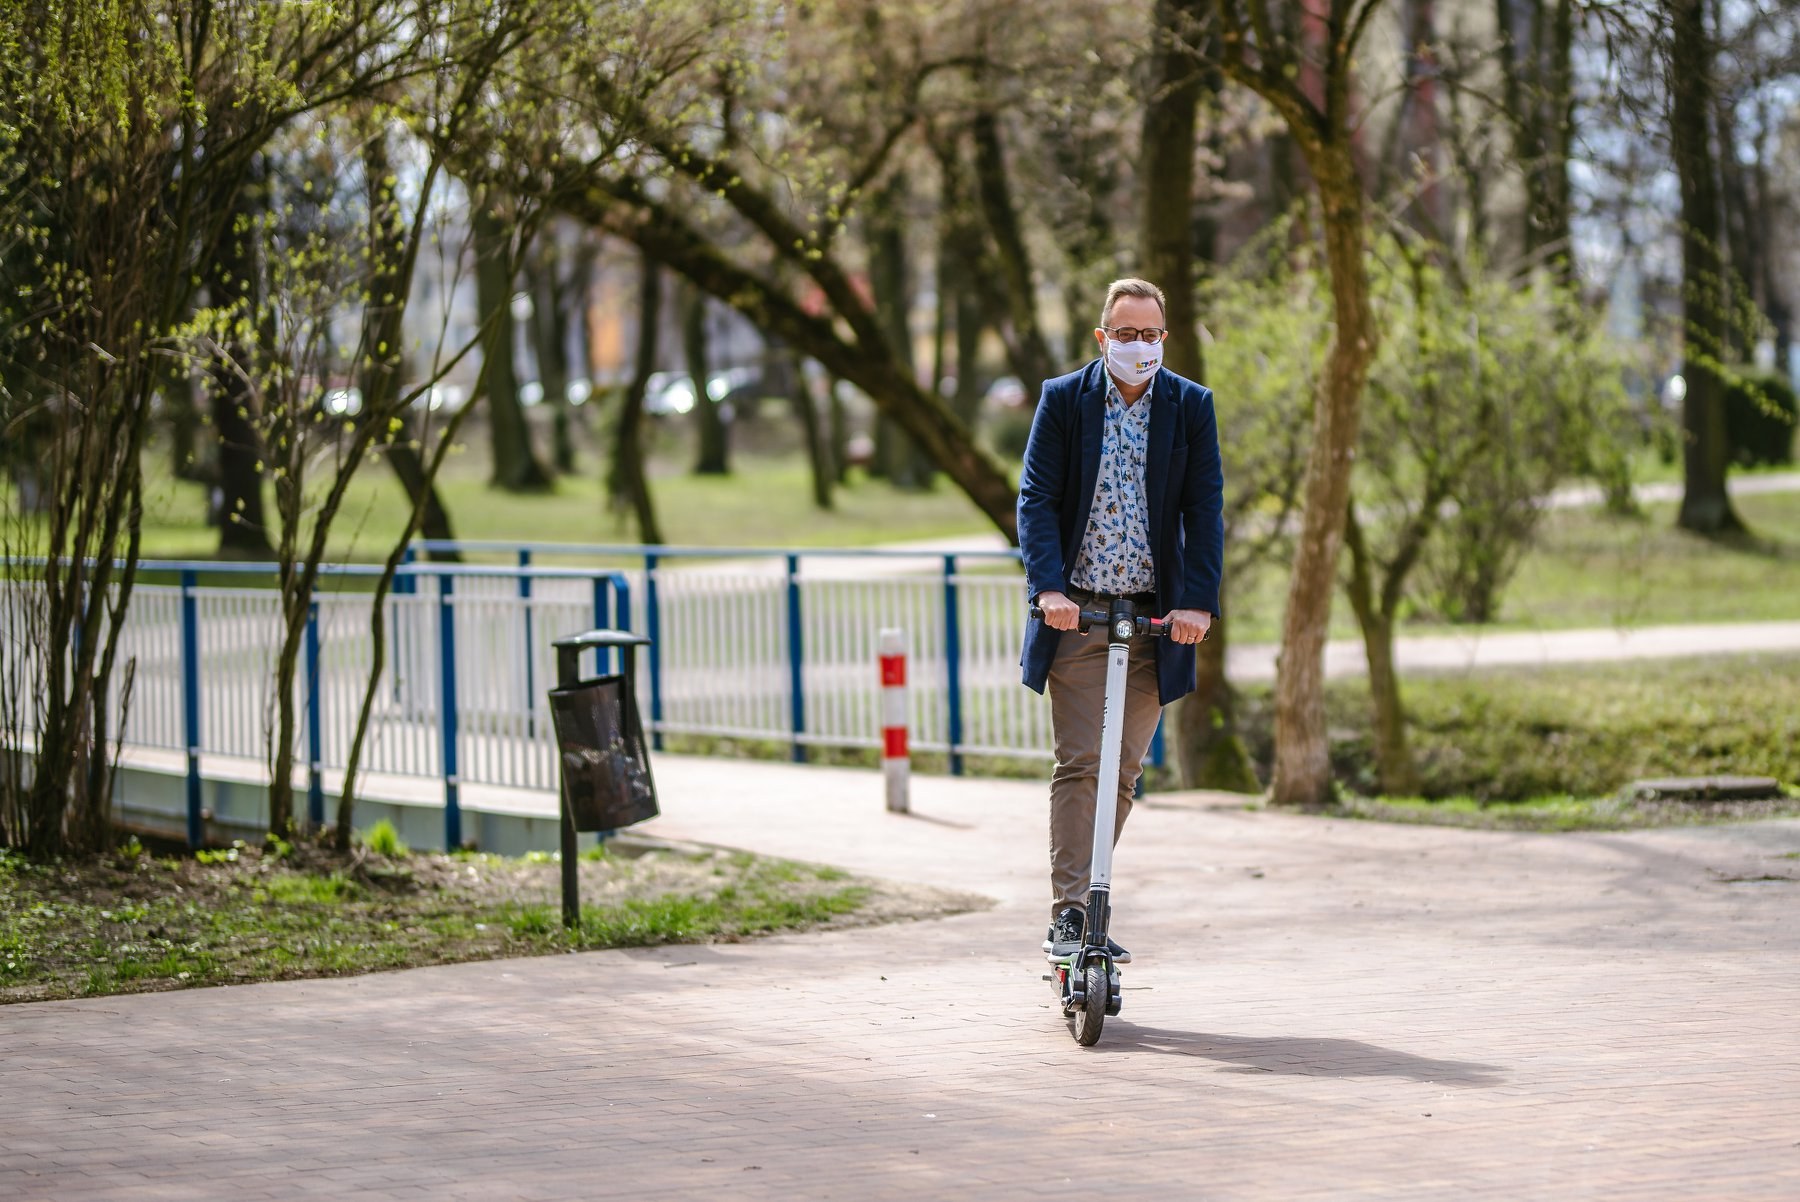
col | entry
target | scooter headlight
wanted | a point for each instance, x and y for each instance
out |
(1123, 629)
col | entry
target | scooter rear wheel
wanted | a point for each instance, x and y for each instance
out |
(1088, 1020)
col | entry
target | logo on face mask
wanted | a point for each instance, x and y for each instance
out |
(1132, 363)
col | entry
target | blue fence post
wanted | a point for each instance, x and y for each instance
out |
(447, 710)
(621, 590)
(603, 664)
(405, 582)
(796, 678)
(530, 664)
(190, 703)
(1155, 758)
(653, 629)
(315, 755)
(953, 665)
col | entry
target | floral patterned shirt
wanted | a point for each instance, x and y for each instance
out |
(1115, 550)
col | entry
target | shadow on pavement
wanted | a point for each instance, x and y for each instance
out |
(935, 821)
(1299, 1056)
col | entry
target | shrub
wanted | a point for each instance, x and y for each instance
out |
(384, 840)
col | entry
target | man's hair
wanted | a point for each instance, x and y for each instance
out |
(1131, 286)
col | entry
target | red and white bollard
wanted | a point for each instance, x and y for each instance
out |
(896, 758)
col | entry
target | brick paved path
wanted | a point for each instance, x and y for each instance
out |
(1319, 1010)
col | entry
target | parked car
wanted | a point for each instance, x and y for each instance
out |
(668, 392)
(447, 398)
(342, 402)
(1008, 392)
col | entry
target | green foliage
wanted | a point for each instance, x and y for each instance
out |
(305, 889)
(1761, 411)
(1268, 322)
(384, 840)
(1487, 393)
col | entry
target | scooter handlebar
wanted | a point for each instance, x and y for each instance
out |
(1155, 627)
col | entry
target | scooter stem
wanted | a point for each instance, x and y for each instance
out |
(1112, 730)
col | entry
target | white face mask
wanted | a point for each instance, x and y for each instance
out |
(1131, 363)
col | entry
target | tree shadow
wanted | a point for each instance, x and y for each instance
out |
(1299, 1056)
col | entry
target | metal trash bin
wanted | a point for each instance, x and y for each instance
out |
(603, 758)
(601, 754)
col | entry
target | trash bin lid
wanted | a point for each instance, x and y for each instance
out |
(602, 638)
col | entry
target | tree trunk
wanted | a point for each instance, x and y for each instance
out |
(1536, 46)
(1032, 360)
(550, 296)
(626, 480)
(714, 454)
(421, 489)
(1302, 774)
(1393, 759)
(383, 330)
(1705, 504)
(889, 281)
(178, 395)
(516, 467)
(1740, 250)
(837, 424)
(236, 278)
(1208, 748)
(1166, 240)
(818, 456)
(1211, 754)
(965, 402)
(962, 252)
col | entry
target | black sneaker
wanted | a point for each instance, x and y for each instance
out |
(1064, 936)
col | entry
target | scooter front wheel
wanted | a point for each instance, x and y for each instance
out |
(1088, 1020)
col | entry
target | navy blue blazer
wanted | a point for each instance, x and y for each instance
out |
(1186, 495)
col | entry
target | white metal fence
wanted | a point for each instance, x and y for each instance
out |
(777, 647)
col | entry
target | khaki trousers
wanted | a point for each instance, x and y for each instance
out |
(1077, 700)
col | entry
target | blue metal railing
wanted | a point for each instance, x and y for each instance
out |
(464, 726)
(654, 557)
(611, 602)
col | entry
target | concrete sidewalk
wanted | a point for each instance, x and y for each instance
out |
(1531, 648)
(1319, 1009)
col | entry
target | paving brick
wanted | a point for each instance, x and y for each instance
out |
(1383, 1012)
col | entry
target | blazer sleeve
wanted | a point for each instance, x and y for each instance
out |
(1040, 496)
(1203, 515)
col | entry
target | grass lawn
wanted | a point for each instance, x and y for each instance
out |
(132, 922)
(1558, 813)
(766, 502)
(1582, 731)
(1588, 569)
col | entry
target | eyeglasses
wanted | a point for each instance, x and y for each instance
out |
(1149, 334)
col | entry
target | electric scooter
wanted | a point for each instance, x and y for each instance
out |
(1087, 982)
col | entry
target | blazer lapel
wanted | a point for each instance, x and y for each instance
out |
(1162, 441)
(1092, 404)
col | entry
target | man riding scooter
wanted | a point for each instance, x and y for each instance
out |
(1121, 496)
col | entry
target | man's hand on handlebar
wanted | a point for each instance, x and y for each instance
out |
(1060, 613)
(1187, 625)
